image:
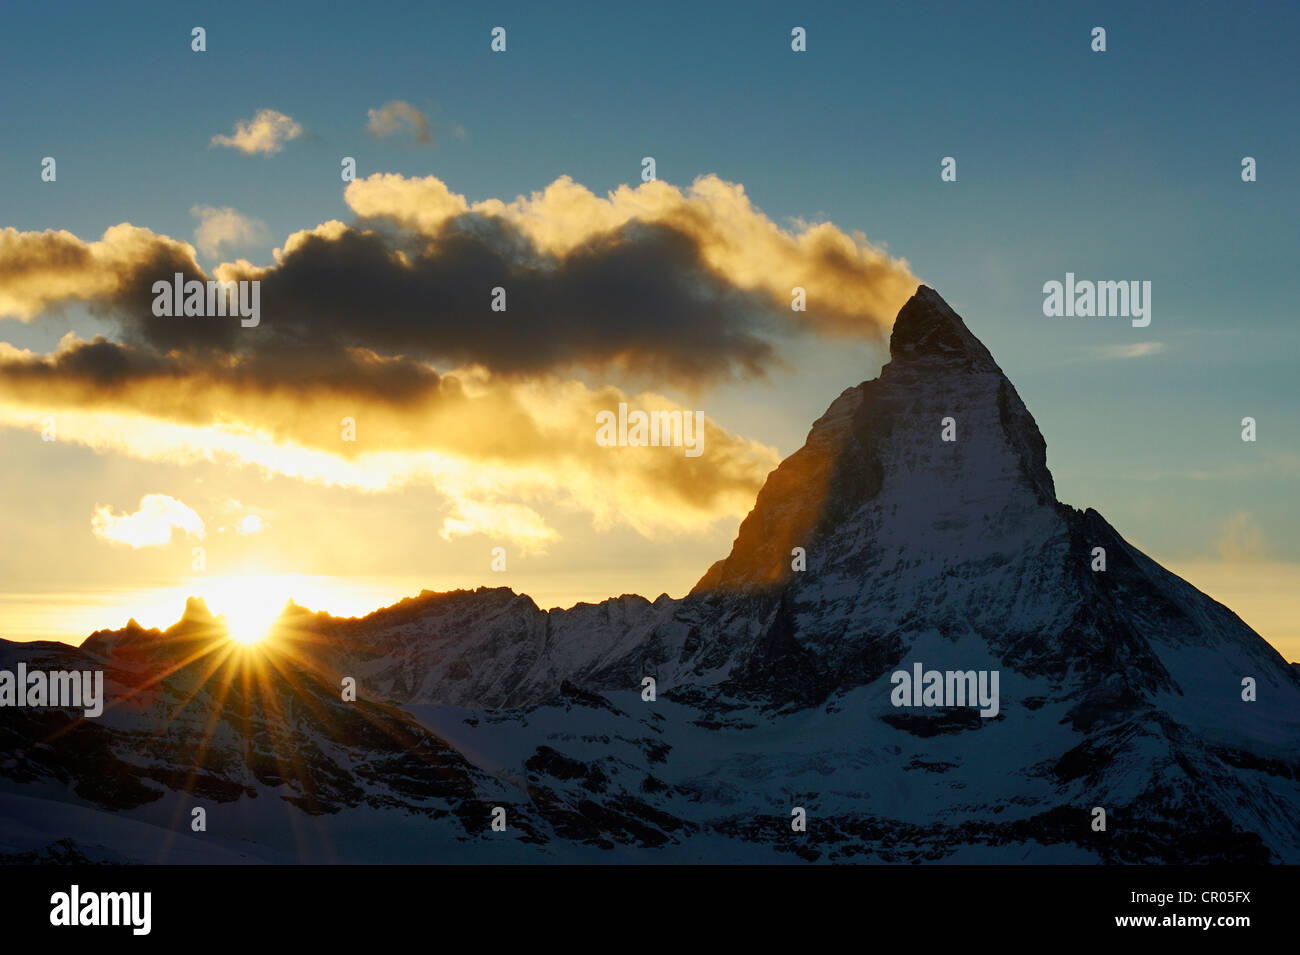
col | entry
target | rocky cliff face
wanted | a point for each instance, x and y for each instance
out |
(1119, 688)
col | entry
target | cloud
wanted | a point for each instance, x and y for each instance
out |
(40, 270)
(249, 524)
(854, 287)
(225, 227)
(265, 133)
(638, 301)
(648, 286)
(398, 116)
(1133, 350)
(481, 440)
(686, 287)
(503, 521)
(1242, 540)
(653, 283)
(150, 526)
(244, 522)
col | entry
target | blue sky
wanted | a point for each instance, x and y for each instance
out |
(1115, 165)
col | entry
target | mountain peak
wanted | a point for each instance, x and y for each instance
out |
(940, 439)
(196, 611)
(928, 329)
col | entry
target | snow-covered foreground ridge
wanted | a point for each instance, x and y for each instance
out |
(918, 525)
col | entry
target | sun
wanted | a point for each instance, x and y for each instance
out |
(247, 635)
(249, 603)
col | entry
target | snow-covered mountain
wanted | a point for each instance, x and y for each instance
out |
(877, 546)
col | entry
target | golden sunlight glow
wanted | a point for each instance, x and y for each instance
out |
(250, 604)
(1261, 592)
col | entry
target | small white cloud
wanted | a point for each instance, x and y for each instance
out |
(225, 227)
(1134, 350)
(249, 524)
(396, 116)
(266, 132)
(150, 526)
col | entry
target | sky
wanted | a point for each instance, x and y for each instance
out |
(823, 165)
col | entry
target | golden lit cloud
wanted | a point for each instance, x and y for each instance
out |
(265, 133)
(499, 520)
(220, 228)
(249, 524)
(424, 204)
(497, 448)
(854, 288)
(653, 283)
(150, 526)
(43, 269)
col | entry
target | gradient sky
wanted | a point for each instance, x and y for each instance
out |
(1122, 165)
